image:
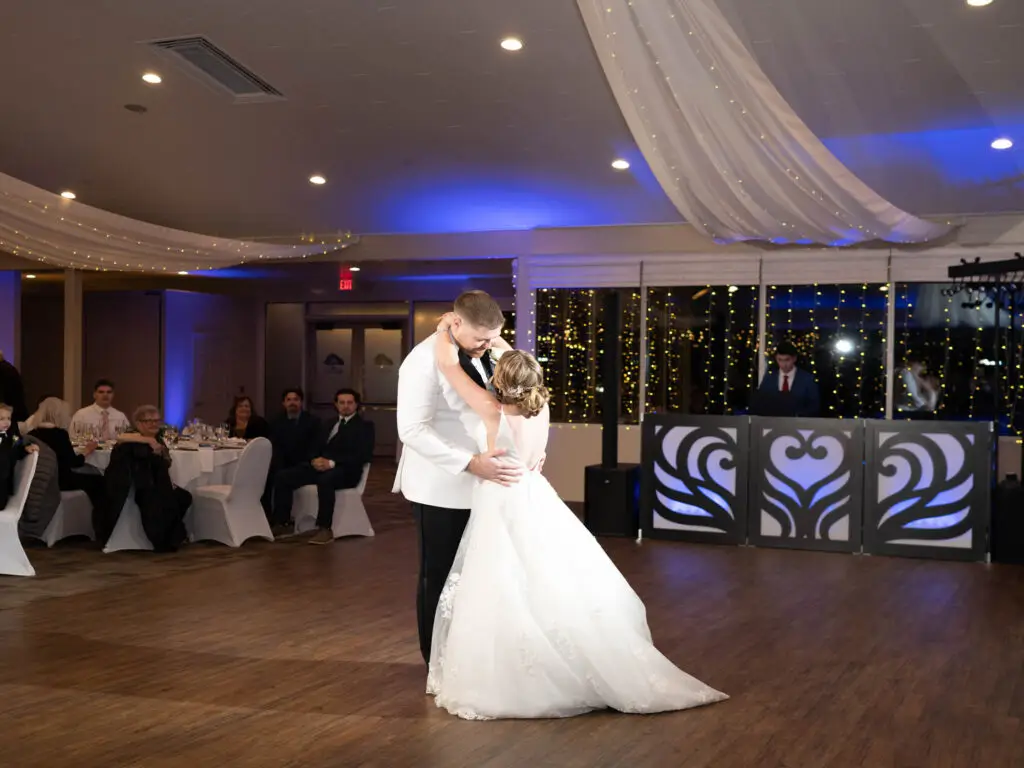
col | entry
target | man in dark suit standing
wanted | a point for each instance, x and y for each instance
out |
(795, 385)
(346, 446)
(12, 391)
(295, 434)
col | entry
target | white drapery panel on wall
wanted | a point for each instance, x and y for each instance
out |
(725, 146)
(39, 225)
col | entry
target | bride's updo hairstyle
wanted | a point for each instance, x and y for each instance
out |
(519, 381)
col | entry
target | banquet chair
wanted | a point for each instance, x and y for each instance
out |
(128, 532)
(72, 518)
(13, 560)
(350, 518)
(232, 514)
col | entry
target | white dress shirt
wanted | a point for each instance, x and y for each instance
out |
(92, 415)
(782, 380)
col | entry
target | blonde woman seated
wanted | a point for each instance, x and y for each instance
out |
(534, 620)
(51, 420)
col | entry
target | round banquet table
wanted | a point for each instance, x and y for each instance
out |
(190, 469)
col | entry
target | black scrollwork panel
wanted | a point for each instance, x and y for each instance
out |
(807, 483)
(928, 489)
(694, 478)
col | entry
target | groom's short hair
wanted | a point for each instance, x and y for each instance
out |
(479, 309)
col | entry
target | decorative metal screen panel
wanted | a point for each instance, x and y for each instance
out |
(695, 478)
(928, 489)
(807, 483)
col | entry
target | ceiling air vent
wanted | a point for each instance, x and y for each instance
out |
(201, 57)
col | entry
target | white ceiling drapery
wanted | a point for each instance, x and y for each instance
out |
(44, 227)
(728, 150)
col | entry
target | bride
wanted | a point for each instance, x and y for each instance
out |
(535, 621)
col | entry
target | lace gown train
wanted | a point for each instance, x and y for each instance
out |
(535, 621)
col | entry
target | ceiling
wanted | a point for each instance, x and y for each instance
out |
(421, 123)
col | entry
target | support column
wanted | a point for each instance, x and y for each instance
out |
(641, 386)
(762, 324)
(10, 316)
(526, 304)
(73, 337)
(890, 341)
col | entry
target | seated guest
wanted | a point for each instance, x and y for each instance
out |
(106, 420)
(295, 434)
(346, 445)
(142, 461)
(244, 422)
(33, 421)
(795, 384)
(12, 450)
(52, 428)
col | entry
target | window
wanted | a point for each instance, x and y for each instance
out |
(570, 343)
(839, 332)
(702, 349)
(955, 357)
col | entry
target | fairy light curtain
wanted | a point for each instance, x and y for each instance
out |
(39, 225)
(725, 146)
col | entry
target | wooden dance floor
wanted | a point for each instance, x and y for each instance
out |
(291, 655)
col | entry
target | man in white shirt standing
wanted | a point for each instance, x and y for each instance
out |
(440, 460)
(101, 416)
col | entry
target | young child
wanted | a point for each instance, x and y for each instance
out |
(12, 450)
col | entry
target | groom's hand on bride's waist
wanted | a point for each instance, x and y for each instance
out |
(490, 466)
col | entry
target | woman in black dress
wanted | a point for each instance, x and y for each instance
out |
(244, 422)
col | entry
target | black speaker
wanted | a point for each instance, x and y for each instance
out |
(1008, 523)
(611, 500)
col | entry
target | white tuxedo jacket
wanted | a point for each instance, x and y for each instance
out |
(436, 429)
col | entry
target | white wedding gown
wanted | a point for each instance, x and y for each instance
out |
(535, 621)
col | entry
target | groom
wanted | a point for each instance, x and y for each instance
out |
(440, 458)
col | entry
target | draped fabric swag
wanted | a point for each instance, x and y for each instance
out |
(41, 226)
(724, 145)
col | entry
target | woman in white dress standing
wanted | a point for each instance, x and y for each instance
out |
(535, 621)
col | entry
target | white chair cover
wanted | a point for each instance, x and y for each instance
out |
(73, 518)
(350, 518)
(128, 532)
(233, 514)
(13, 560)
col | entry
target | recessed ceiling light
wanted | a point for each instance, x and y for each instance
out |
(30, 277)
(318, 180)
(1002, 144)
(978, 3)
(733, 288)
(183, 272)
(67, 194)
(512, 44)
(354, 269)
(152, 78)
(620, 164)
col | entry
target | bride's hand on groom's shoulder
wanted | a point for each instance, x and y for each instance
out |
(490, 466)
(445, 322)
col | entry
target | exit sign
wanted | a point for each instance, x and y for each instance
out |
(345, 280)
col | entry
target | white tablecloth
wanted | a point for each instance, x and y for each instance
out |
(189, 469)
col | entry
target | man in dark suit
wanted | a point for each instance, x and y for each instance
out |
(12, 391)
(795, 386)
(295, 435)
(346, 445)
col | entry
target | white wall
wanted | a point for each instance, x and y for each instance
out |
(571, 447)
